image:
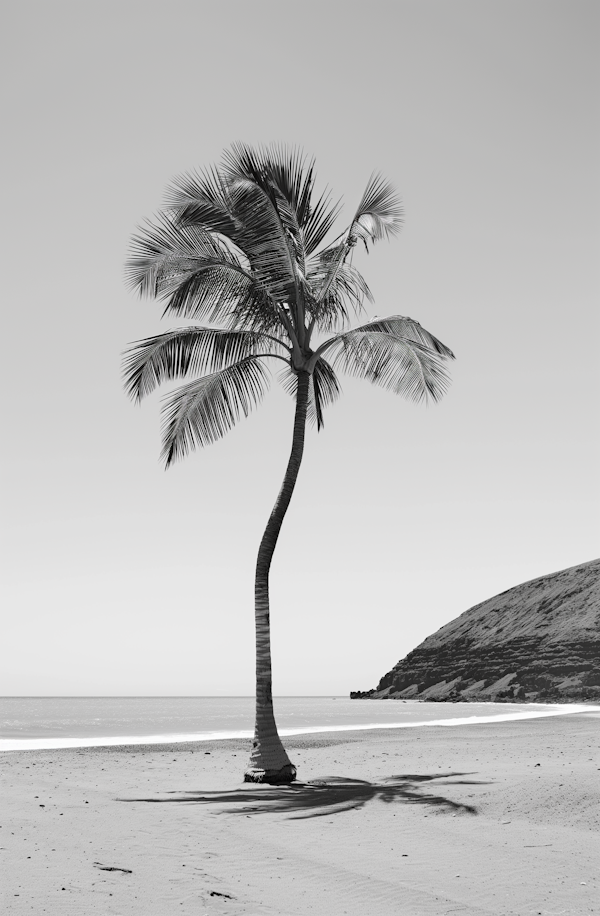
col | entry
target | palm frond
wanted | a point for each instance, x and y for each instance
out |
(294, 180)
(264, 241)
(269, 228)
(412, 365)
(379, 214)
(286, 171)
(325, 389)
(221, 293)
(199, 198)
(164, 252)
(198, 414)
(346, 292)
(319, 222)
(281, 175)
(198, 275)
(191, 350)
(407, 329)
(278, 174)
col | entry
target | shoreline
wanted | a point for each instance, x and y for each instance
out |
(14, 745)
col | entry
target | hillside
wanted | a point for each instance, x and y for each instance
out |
(537, 641)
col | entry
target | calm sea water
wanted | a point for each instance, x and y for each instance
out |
(54, 722)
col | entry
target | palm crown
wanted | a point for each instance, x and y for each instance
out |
(243, 249)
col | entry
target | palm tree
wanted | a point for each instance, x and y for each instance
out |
(242, 248)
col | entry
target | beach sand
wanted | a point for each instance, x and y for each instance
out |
(479, 819)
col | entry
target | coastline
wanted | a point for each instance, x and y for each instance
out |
(12, 744)
(489, 818)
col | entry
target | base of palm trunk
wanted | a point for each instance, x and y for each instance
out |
(282, 777)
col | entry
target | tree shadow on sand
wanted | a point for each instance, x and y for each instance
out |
(330, 795)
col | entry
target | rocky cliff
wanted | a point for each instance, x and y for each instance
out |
(537, 641)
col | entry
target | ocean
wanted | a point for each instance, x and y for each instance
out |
(28, 723)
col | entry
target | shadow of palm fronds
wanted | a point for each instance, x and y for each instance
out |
(330, 795)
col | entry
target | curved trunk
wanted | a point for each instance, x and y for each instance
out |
(269, 761)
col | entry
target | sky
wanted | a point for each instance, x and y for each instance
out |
(123, 579)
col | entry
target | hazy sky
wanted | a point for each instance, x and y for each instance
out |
(121, 578)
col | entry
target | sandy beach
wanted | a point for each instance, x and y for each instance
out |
(479, 819)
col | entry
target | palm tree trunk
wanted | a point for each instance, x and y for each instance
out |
(269, 761)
